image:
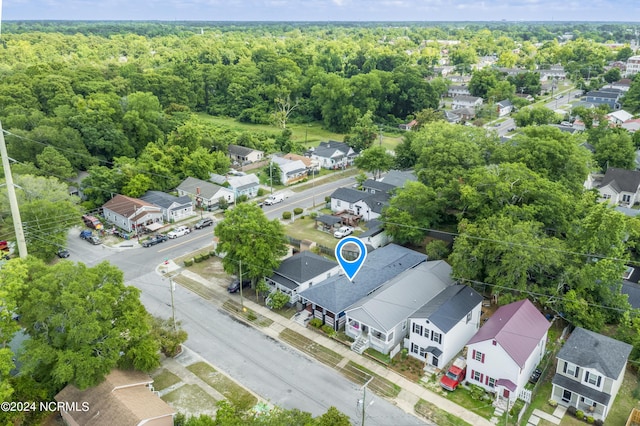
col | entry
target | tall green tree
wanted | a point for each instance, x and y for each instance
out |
(363, 133)
(246, 237)
(82, 322)
(376, 160)
(614, 148)
(52, 163)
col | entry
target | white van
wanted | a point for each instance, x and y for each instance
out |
(274, 199)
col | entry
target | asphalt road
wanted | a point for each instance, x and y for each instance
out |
(271, 369)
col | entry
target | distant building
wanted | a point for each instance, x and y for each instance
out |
(633, 66)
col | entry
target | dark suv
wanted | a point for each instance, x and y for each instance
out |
(204, 222)
(156, 239)
(235, 285)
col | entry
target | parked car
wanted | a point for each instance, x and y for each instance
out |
(535, 376)
(235, 285)
(204, 222)
(274, 199)
(63, 253)
(179, 232)
(88, 236)
(156, 239)
(343, 231)
(92, 222)
(85, 235)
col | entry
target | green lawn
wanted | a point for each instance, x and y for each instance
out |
(436, 415)
(235, 393)
(191, 399)
(164, 379)
(309, 134)
(304, 229)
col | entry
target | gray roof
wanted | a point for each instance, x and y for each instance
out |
(394, 302)
(374, 227)
(330, 148)
(377, 201)
(300, 268)
(399, 178)
(217, 179)
(450, 306)
(505, 103)
(337, 292)
(466, 99)
(582, 390)
(377, 185)
(328, 219)
(627, 211)
(587, 349)
(349, 195)
(602, 94)
(632, 290)
(242, 151)
(164, 200)
(624, 180)
(243, 182)
(191, 185)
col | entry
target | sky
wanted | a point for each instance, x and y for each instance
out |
(323, 10)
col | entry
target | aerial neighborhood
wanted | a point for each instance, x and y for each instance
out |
(483, 179)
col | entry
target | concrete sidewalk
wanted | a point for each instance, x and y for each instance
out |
(411, 392)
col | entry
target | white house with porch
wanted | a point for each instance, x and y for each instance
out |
(130, 213)
(379, 320)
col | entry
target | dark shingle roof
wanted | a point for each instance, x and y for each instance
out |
(517, 327)
(624, 180)
(377, 185)
(192, 185)
(632, 290)
(374, 227)
(328, 219)
(449, 307)
(337, 292)
(349, 195)
(300, 268)
(587, 349)
(163, 199)
(242, 151)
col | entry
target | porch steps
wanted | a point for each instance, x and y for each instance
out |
(302, 317)
(360, 344)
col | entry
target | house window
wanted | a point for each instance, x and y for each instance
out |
(390, 337)
(588, 401)
(338, 203)
(417, 328)
(477, 376)
(423, 352)
(571, 369)
(415, 348)
(469, 315)
(427, 332)
(436, 337)
(491, 382)
(566, 396)
(626, 198)
(478, 356)
(592, 379)
(434, 361)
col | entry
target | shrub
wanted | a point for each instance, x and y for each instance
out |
(204, 256)
(579, 414)
(197, 259)
(477, 392)
(328, 329)
(286, 215)
(261, 192)
(188, 262)
(436, 250)
(553, 403)
(598, 422)
(315, 322)
(313, 215)
(278, 300)
(242, 198)
(590, 420)
(212, 253)
(298, 210)
(571, 410)
(327, 199)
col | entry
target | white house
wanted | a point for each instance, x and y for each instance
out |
(205, 194)
(299, 272)
(464, 101)
(244, 155)
(502, 355)
(333, 155)
(379, 320)
(173, 208)
(364, 204)
(633, 66)
(291, 171)
(458, 90)
(504, 107)
(618, 117)
(130, 213)
(620, 187)
(444, 325)
(589, 372)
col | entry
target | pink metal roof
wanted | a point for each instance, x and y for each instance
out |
(517, 327)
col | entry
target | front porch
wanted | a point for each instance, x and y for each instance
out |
(368, 337)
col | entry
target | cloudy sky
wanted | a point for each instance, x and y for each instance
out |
(324, 10)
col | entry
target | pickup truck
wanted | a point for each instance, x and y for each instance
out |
(274, 199)
(455, 375)
(89, 237)
(179, 232)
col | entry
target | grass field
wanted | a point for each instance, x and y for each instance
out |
(235, 393)
(309, 134)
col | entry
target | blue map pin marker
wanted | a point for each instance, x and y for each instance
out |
(351, 267)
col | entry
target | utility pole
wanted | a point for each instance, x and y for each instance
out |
(172, 285)
(13, 201)
(240, 282)
(364, 395)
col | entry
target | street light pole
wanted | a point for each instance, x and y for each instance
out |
(172, 285)
(364, 395)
